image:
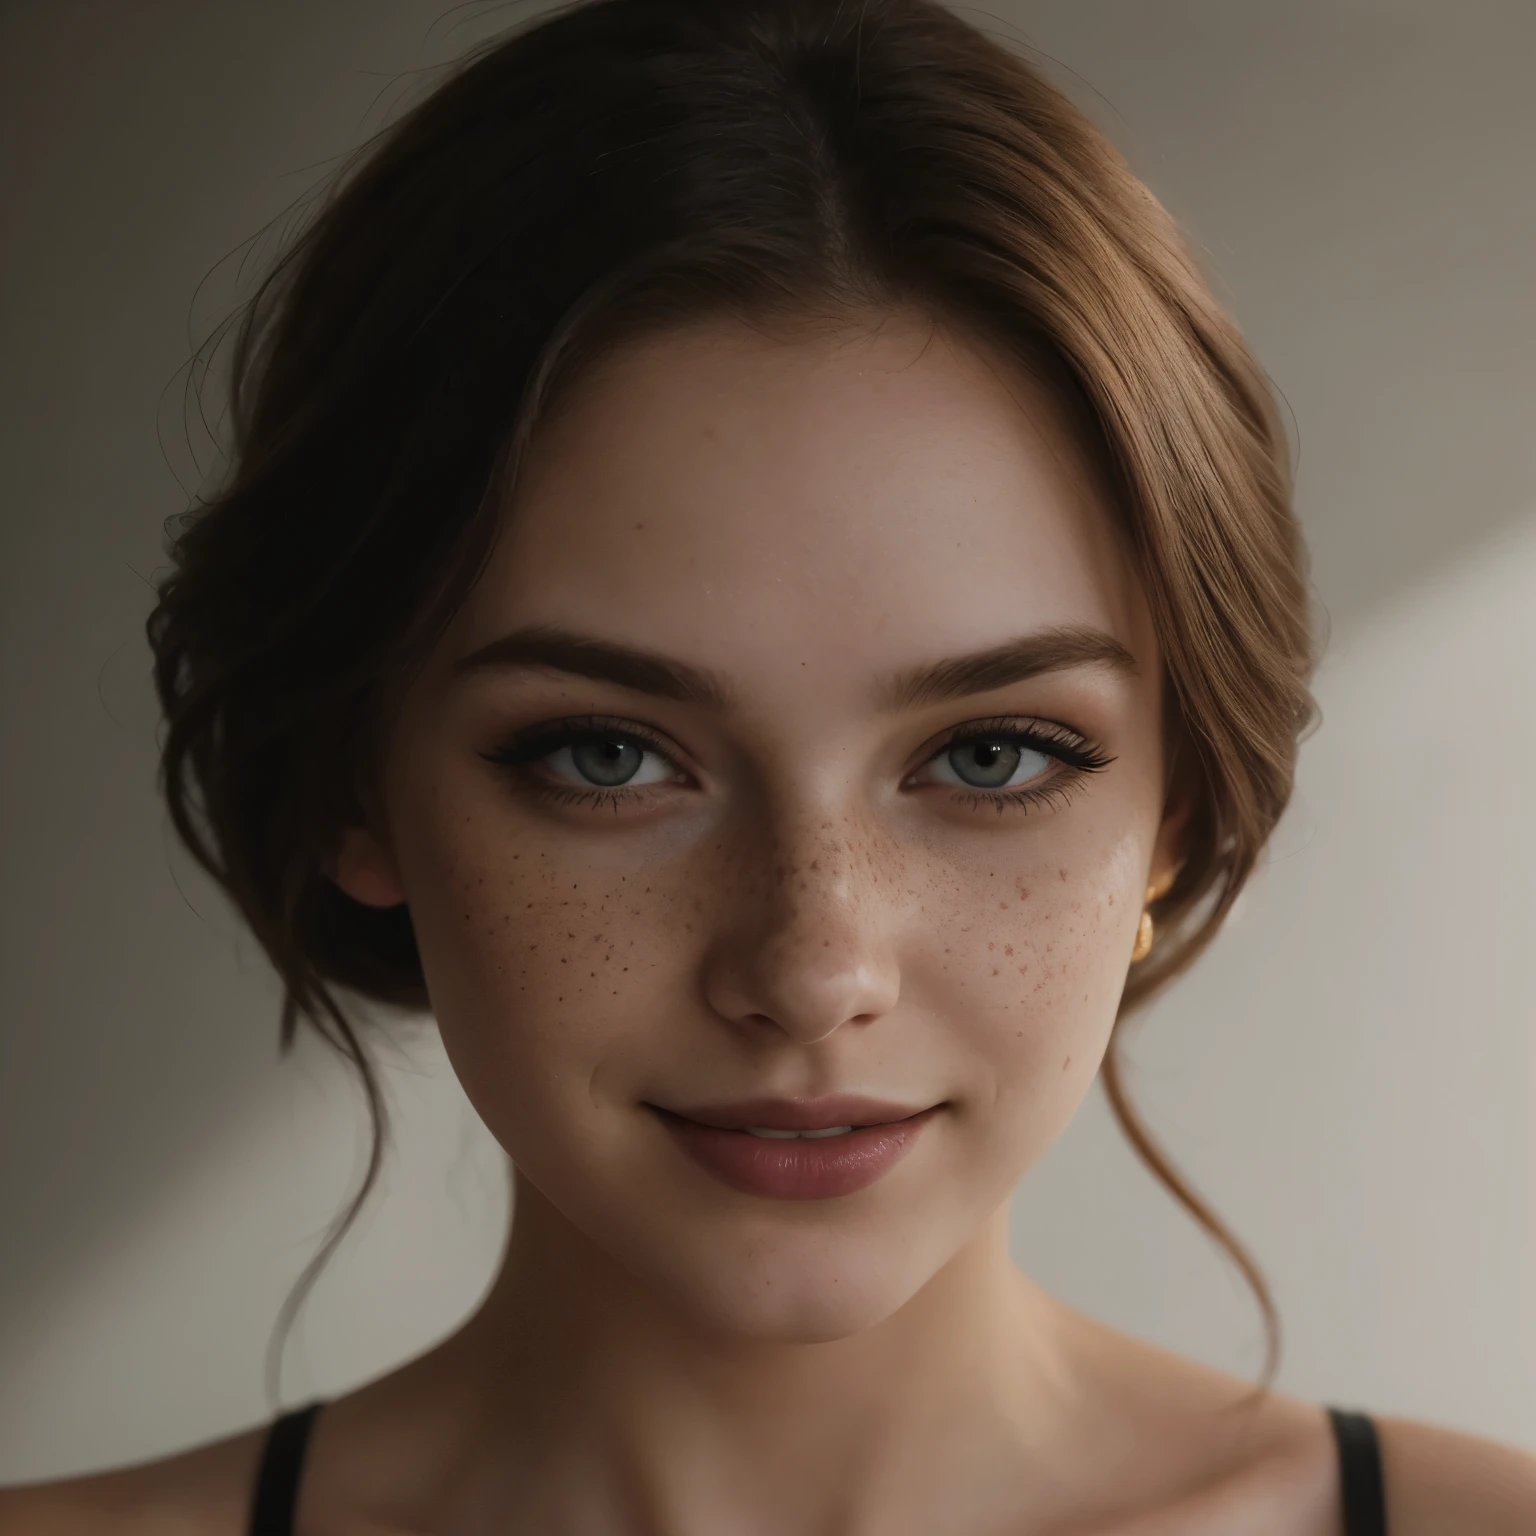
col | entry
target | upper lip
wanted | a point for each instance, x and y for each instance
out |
(798, 1114)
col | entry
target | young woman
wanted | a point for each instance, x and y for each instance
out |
(757, 583)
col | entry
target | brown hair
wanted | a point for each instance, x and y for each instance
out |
(612, 169)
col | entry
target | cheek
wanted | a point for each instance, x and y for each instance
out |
(547, 962)
(1026, 960)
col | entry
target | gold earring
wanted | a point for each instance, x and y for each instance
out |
(1143, 945)
(1145, 929)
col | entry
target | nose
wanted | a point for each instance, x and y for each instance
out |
(806, 943)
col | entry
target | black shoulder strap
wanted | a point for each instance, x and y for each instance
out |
(1365, 1504)
(276, 1496)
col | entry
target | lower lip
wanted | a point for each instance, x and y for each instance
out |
(781, 1169)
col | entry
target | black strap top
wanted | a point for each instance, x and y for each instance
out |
(1364, 1494)
(276, 1496)
(282, 1466)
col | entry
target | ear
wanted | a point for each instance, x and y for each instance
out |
(1171, 847)
(1168, 851)
(365, 869)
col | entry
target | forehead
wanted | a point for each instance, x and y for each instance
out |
(866, 500)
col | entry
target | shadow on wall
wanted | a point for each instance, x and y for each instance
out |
(1349, 173)
(176, 1309)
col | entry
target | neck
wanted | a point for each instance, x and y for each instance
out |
(615, 1406)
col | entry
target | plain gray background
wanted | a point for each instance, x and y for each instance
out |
(1350, 1075)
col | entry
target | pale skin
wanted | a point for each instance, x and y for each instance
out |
(797, 893)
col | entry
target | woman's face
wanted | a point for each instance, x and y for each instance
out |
(802, 740)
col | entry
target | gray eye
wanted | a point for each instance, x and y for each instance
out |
(596, 760)
(606, 763)
(983, 764)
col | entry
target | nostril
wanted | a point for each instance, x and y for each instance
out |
(804, 982)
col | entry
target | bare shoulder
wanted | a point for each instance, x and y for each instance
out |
(201, 1492)
(1199, 1451)
(1441, 1480)
(1272, 1458)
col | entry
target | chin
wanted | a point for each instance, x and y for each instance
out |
(768, 1282)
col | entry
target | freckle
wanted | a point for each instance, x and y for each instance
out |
(1008, 949)
(994, 970)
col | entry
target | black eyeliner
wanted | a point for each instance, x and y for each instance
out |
(1050, 737)
(537, 741)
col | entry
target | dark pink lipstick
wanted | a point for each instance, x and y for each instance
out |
(845, 1143)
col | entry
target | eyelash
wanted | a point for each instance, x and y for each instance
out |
(1079, 757)
(524, 748)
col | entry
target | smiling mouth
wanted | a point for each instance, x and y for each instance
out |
(805, 1161)
(831, 1115)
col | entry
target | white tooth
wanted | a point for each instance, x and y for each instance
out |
(831, 1130)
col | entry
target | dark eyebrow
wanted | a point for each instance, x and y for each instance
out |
(1048, 650)
(558, 650)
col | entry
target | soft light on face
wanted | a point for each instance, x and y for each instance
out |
(772, 846)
